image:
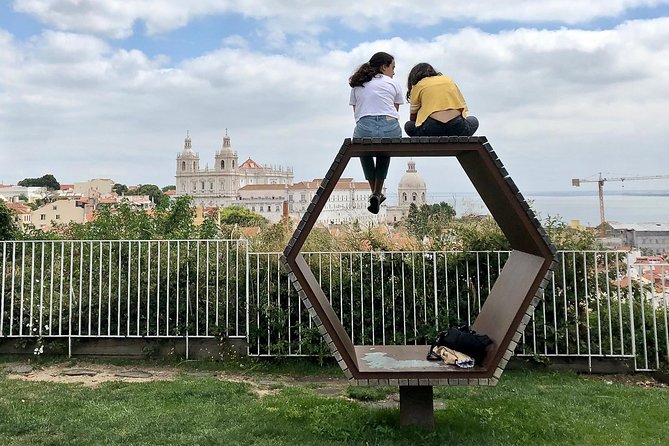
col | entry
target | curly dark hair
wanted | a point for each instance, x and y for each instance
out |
(370, 69)
(419, 72)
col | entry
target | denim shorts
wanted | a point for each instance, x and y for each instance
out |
(377, 127)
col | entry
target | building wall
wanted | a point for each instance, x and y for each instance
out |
(94, 187)
(22, 214)
(653, 242)
(649, 238)
(58, 212)
(347, 203)
(12, 193)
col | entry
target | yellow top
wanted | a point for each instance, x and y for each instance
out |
(433, 94)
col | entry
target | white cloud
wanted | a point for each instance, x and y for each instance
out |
(235, 41)
(115, 18)
(555, 104)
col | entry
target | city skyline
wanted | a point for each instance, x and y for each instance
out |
(563, 90)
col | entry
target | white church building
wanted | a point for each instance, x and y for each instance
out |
(219, 186)
(270, 191)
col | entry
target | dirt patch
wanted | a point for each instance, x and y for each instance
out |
(96, 374)
(638, 380)
(92, 375)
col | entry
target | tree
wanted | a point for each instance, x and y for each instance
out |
(120, 189)
(238, 215)
(428, 219)
(567, 238)
(8, 228)
(154, 192)
(273, 237)
(472, 233)
(176, 220)
(125, 222)
(170, 187)
(48, 181)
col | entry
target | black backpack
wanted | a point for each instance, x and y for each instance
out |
(463, 340)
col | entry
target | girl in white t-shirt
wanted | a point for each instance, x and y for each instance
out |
(376, 98)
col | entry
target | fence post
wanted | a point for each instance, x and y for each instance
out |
(246, 294)
(630, 304)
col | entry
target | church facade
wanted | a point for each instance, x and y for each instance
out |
(219, 186)
(271, 192)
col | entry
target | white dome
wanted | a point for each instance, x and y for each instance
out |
(412, 179)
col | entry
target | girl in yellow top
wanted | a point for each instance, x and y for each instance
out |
(437, 106)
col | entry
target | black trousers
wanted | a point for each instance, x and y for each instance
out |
(455, 127)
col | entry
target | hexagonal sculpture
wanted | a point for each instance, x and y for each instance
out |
(506, 310)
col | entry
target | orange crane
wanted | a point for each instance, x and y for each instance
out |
(600, 183)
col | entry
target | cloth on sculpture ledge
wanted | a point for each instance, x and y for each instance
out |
(453, 357)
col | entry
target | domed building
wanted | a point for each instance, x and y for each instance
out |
(410, 189)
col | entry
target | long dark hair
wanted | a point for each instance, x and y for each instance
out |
(370, 69)
(418, 73)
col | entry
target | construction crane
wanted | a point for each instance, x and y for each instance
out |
(600, 183)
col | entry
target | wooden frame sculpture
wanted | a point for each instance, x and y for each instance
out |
(506, 310)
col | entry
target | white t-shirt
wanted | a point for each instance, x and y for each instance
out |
(377, 97)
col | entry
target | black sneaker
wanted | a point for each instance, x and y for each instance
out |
(374, 202)
(382, 198)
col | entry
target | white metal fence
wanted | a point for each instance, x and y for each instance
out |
(123, 288)
(596, 303)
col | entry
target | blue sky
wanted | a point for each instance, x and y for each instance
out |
(563, 89)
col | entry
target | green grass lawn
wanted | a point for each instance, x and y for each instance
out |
(525, 408)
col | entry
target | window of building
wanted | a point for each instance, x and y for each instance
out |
(183, 165)
(193, 165)
(233, 164)
(277, 208)
(211, 185)
(253, 208)
(202, 185)
(42, 217)
(57, 216)
(222, 164)
(404, 196)
(414, 196)
(422, 196)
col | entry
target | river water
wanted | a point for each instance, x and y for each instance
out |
(585, 208)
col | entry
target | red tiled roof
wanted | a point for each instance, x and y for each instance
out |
(250, 164)
(249, 231)
(19, 208)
